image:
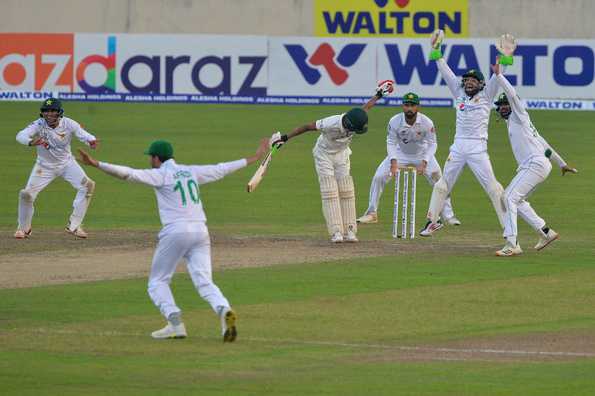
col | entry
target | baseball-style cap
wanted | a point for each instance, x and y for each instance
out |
(161, 148)
(502, 99)
(411, 98)
(51, 104)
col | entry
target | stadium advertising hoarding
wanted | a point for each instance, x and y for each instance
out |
(282, 70)
(390, 18)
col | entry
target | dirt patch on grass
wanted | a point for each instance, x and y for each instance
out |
(569, 345)
(53, 257)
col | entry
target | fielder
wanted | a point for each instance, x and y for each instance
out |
(411, 141)
(184, 233)
(473, 99)
(531, 152)
(331, 158)
(51, 134)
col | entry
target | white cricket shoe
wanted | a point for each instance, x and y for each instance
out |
(431, 228)
(337, 237)
(78, 232)
(350, 237)
(368, 218)
(170, 331)
(229, 330)
(453, 221)
(509, 250)
(20, 234)
(546, 239)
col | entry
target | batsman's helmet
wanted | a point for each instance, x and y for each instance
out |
(356, 120)
(51, 104)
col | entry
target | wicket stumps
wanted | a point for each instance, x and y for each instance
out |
(408, 198)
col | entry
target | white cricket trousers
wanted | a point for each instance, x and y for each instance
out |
(41, 176)
(382, 176)
(189, 241)
(527, 179)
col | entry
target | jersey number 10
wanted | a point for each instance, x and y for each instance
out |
(192, 191)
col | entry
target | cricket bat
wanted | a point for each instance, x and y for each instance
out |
(260, 172)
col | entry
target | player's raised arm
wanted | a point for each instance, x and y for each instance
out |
(282, 139)
(209, 173)
(149, 177)
(383, 88)
(512, 96)
(452, 81)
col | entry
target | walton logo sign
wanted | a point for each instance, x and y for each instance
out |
(389, 18)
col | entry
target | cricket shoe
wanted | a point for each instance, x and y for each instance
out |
(368, 218)
(170, 331)
(453, 221)
(20, 234)
(350, 237)
(431, 228)
(228, 325)
(337, 237)
(546, 239)
(78, 232)
(509, 250)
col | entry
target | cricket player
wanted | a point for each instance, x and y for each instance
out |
(411, 141)
(473, 101)
(331, 158)
(184, 233)
(531, 152)
(51, 135)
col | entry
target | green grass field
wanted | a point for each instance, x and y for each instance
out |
(439, 317)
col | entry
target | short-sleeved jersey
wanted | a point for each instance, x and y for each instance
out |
(333, 136)
(417, 140)
(57, 152)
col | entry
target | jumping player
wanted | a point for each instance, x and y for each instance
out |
(473, 100)
(331, 158)
(51, 134)
(184, 233)
(531, 152)
(411, 141)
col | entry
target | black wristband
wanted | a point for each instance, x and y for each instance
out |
(379, 95)
(284, 138)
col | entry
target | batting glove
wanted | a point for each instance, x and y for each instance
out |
(384, 88)
(280, 141)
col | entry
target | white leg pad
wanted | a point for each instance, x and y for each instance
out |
(496, 193)
(81, 203)
(439, 195)
(331, 207)
(347, 198)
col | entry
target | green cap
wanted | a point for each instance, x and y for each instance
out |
(476, 74)
(356, 120)
(411, 98)
(502, 99)
(51, 104)
(161, 148)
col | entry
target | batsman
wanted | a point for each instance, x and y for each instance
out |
(331, 159)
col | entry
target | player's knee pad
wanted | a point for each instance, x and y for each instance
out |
(328, 187)
(496, 193)
(346, 188)
(441, 187)
(27, 195)
(90, 186)
(435, 176)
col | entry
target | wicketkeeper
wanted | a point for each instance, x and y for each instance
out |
(411, 141)
(331, 158)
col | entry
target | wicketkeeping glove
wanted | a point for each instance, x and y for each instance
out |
(436, 41)
(384, 88)
(506, 45)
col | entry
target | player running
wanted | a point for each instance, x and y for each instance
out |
(473, 100)
(51, 134)
(411, 141)
(531, 152)
(331, 158)
(184, 233)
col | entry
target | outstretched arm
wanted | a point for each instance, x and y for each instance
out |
(84, 136)
(149, 177)
(453, 82)
(553, 155)
(513, 98)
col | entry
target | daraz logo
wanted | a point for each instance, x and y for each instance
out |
(324, 57)
(389, 17)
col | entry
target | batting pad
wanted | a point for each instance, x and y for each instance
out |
(347, 198)
(331, 207)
